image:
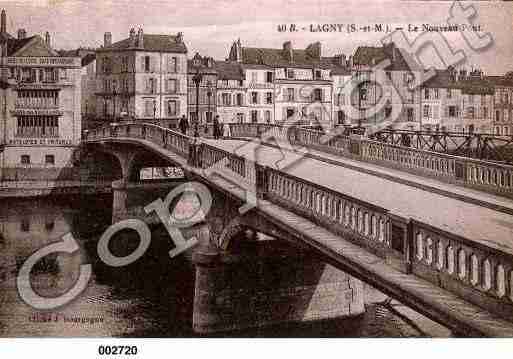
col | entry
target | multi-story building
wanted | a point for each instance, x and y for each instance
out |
(341, 80)
(40, 103)
(231, 92)
(143, 77)
(206, 91)
(503, 104)
(455, 101)
(386, 93)
(286, 83)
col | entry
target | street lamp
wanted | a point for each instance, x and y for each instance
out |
(209, 95)
(114, 109)
(196, 62)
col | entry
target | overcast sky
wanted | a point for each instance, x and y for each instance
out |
(210, 26)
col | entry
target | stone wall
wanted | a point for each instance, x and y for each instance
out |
(269, 286)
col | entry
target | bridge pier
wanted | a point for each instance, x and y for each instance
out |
(119, 201)
(268, 285)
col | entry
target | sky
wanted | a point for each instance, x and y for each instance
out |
(211, 26)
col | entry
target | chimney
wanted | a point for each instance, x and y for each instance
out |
(140, 38)
(314, 50)
(179, 38)
(107, 39)
(3, 22)
(47, 39)
(131, 36)
(22, 34)
(287, 51)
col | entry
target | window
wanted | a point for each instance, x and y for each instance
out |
(290, 73)
(318, 74)
(49, 225)
(388, 111)
(497, 116)
(470, 112)
(254, 97)
(269, 97)
(410, 114)
(25, 225)
(146, 63)
(171, 108)
(171, 85)
(151, 85)
(363, 94)
(254, 116)
(238, 97)
(317, 95)
(149, 108)
(485, 112)
(268, 116)
(269, 77)
(254, 76)
(341, 99)
(389, 75)
(425, 112)
(452, 111)
(172, 64)
(25, 159)
(437, 94)
(50, 159)
(290, 94)
(341, 117)
(226, 99)
(426, 94)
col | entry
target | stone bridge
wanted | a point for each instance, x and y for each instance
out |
(436, 237)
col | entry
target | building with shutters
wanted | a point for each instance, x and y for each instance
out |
(231, 92)
(207, 99)
(502, 104)
(285, 84)
(385, 93)
(457, 101)
(40, 95)
(142, 77)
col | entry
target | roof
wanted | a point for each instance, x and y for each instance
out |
(505, 80)
(151, 42)
(229, 70)
(27, 47)
(471, 85)
(276, 58)
(400, 60)
(87, 59)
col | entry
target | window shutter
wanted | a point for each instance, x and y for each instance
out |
(177, 62)
(177, 108)
(142, 64)
(257, 100)
(177, 87)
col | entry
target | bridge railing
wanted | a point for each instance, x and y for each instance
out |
(367, 225)
(487, 176)
(161, 136)
(475, 271)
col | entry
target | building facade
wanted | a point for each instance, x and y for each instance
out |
(205, 93)
(285, 84)
(231, 92)
(503, 104)
(143, 77)
(40, 96)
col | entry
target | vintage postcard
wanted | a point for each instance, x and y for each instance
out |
(334, 169)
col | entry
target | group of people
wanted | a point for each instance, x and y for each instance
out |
(183, 125)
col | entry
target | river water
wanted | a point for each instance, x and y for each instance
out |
(149, 298)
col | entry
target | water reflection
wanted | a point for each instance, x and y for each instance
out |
(149, 298)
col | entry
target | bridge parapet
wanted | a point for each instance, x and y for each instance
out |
(495, 178)
(475, 270)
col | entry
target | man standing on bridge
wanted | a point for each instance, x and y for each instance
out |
(183, 124)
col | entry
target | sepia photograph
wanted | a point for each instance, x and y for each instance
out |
(255, 169)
